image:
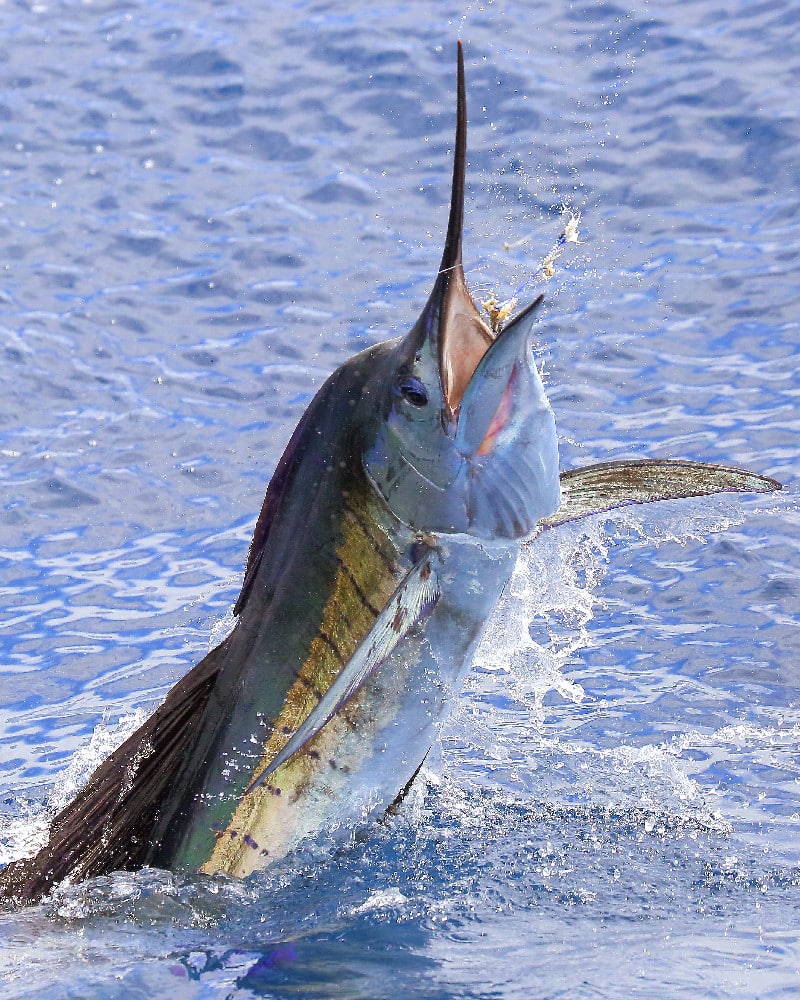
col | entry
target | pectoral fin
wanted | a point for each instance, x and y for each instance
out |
(609, 485)
(411, 603)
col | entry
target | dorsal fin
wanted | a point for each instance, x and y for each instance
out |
(108, 825)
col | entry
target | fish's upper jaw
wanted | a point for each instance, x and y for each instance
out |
(450, 337)
(463, 340)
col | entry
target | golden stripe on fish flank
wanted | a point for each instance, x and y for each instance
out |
(309, 686)
(362, 596)
(347, 618)
(373, 534)
(366, 576)
(332, 644)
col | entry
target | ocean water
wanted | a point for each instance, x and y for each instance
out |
(205, 207)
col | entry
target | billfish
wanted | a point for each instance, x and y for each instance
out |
(389, 529)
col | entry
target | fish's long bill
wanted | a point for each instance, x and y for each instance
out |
(450, 322)
(410, 604)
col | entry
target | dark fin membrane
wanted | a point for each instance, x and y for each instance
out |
(401, 795)
(108, 826)
(609, 485)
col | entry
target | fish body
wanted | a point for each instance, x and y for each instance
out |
(388, 532)
(303, 620)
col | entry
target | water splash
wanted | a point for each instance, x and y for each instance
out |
(509, 734)
(551, 591)
(25, 833)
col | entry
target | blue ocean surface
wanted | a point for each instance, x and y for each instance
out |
(205, 207)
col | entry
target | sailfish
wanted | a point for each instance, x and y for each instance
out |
(388, 531)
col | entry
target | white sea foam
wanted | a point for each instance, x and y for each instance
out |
(530, 646)
(26, 833)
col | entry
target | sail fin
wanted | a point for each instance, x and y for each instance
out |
(108, 825)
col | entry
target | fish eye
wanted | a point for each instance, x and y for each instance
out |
(412, 390)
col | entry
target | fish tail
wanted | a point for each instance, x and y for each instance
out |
(109, 825)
